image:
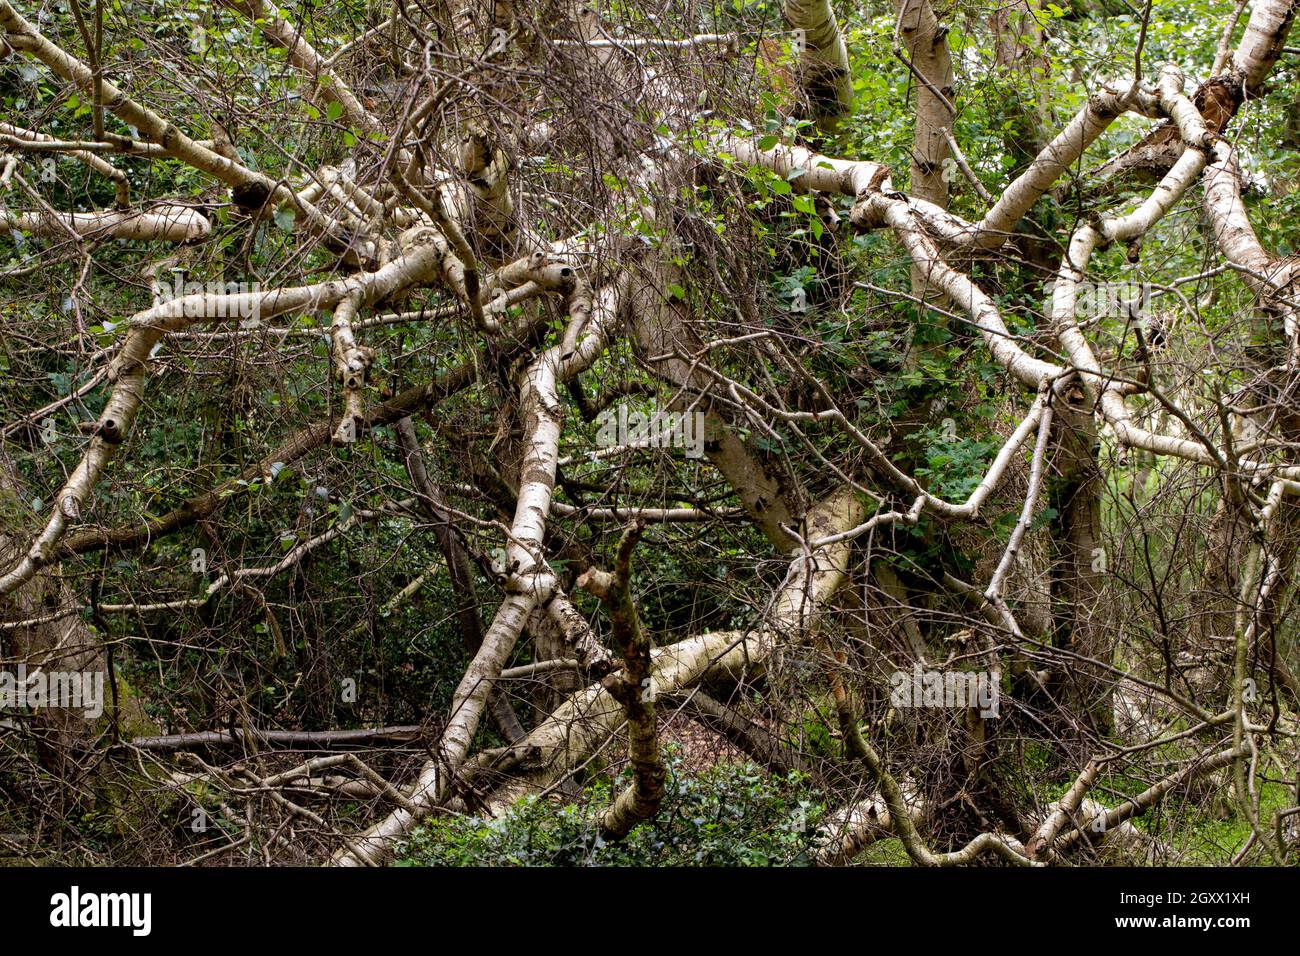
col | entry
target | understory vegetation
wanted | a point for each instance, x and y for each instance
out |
(649, 433)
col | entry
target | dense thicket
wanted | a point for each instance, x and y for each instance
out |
(728, 432)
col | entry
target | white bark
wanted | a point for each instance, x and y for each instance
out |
(160, 224)
(148, 328)
(1261, 45)
(531, 582)
(824, 57)
(1273, 280)
(580, 727)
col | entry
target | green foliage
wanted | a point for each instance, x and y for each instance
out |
(728, 815)
(746, 250)
(954, 464)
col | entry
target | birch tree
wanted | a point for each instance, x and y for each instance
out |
(508, 389)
